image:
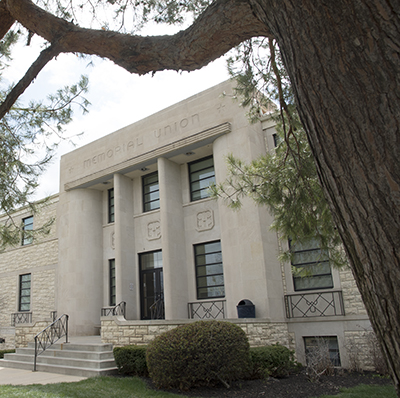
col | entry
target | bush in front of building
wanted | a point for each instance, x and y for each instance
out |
(200, 353)
(2, 352)
(131, 360)
(272, 361)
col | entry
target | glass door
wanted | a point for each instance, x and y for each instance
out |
(151, 286)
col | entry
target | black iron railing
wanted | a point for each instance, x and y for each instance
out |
(207, 309)
(157, 309)
(314, 304)
(119, 309)
(53, 315)
(21, 317)
(48, 336)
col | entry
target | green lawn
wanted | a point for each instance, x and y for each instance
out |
(133, 387)
(96, 387)
(364, 391)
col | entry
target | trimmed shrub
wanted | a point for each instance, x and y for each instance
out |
(275, 360)
(200, 353)
(131, 360)
(2, 352)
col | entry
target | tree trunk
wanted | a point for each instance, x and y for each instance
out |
(343, 58)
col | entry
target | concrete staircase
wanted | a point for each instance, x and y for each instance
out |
(81, 358)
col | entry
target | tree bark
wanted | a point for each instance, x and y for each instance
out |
(6, 19)
(343, 58)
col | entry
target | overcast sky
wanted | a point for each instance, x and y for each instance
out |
(117, 97)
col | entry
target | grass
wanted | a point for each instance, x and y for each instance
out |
(96, 387)
(134, 387)
(364, 391)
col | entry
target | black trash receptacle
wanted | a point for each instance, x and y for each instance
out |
(246, 309)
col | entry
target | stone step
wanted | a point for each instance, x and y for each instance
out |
(76, 359)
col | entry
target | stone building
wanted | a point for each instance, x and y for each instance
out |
(134, 224)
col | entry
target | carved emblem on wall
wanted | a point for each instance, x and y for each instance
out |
(205, 220)
(112, 239)
(153, 230)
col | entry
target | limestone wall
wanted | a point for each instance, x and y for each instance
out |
(116, 330)
(25, 333)
(353, 304)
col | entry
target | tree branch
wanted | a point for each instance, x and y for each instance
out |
(45, 56)
(224, 24)
(6, 19)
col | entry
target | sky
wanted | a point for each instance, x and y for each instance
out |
(117, 97)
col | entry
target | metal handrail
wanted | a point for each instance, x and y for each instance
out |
(314, 304)
(119, 309)
(157, 309)
(48, 336)
(21, 317)
(212, 309)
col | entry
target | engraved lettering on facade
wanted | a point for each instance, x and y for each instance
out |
(117, 151)
(205, 220)
(177, 127)
(153, 230)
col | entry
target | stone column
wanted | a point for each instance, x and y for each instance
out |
(126, 279)
(80, 262)
(173, 240)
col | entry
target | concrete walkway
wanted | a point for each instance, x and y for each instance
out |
(25, 377)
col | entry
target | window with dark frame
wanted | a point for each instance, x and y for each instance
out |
(24, 302)
(321, 344)
(209, 270)
(312, 266)
(111, 208)
(151, 192)
(201, 176)
(27, 228)
(111, 266)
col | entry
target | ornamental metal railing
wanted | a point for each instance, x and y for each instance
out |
(214, 309)
(50, 335)
(119, 309)
(314, 304)
(53, 315)
(21, 317)
(157, 309)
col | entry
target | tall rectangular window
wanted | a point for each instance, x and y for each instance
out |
(209, 270)
(27, 228)
(312, 264)
(111, 208)
(201, 176)
(111, 266)
(24, 292)
(318, 346)
(151, 192)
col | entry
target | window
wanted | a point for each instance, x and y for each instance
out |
(111, 208)
(312, 264)
(151, 192)
(111, 267)
(201, 175)
(318, 346)
(209, 271)
(24, 292)
(27, 228)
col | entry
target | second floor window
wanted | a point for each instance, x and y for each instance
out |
(201, 175)
(313, 266)
(111, 208)
(151, 192)
(27, 228)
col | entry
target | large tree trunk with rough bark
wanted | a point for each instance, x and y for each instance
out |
(343, 58)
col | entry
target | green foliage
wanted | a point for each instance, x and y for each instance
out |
(200, 353)
(2, 352)
(131, 360)
(275, 360)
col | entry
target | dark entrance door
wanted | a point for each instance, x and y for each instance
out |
(151, 286)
